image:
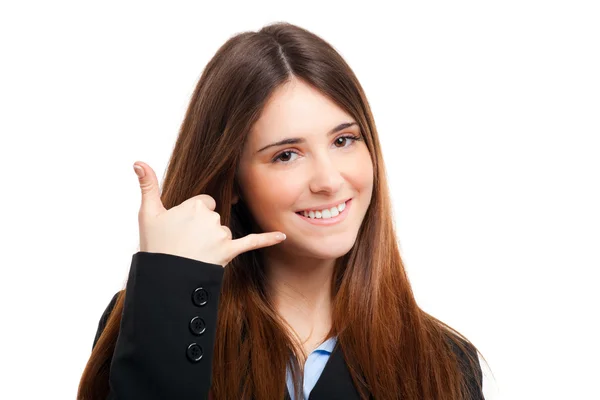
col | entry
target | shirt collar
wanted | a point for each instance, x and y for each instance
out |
(328, 345)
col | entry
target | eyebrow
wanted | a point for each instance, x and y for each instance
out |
(338, 128)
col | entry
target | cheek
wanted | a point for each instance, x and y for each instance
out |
(361, 172)
(269, 194)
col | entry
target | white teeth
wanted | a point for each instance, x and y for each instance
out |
(327, 213)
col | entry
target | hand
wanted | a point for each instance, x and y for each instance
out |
(192, 229)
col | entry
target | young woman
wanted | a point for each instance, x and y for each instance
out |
(278, 138)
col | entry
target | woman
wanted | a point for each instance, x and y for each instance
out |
(278, 138)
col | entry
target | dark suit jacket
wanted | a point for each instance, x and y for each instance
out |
(165, 345)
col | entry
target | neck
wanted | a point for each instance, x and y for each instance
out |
(300, 289)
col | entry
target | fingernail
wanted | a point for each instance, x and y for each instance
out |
(280, 236)
(139, 171)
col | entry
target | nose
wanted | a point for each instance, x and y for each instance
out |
(326, 175)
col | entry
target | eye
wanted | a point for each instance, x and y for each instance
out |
(284, 156)
(346, 139)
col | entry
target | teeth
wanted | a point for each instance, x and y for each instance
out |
(327, 213)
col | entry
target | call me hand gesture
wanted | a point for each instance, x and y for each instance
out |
(192, 229)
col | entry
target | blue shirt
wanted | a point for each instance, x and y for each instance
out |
(313, 367)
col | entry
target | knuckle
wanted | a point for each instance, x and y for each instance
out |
(226, 231)
(146, 186)
(198, 204)
(206, 197)
(207, 200)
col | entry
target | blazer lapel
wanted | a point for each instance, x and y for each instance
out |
(335, 381)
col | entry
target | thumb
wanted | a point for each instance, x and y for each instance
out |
(149, 185)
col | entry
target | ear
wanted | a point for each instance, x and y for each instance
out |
(235, 199)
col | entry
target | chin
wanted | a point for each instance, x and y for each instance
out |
(324, 250)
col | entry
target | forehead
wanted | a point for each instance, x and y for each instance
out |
(296, 109)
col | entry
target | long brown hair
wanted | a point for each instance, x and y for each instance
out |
(391, 346)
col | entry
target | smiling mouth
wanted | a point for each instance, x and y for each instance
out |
(325, 213)
(326, 216)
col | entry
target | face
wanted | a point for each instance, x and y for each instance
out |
(323, 163)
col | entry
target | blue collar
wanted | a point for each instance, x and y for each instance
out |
(328, 345)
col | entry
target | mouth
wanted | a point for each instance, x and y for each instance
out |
(328, 216)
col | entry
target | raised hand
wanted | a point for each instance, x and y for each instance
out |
(192, 229)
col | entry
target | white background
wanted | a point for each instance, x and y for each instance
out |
(489, 116)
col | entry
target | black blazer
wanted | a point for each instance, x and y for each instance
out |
(165, 345)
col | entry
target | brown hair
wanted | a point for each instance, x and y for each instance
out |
(391, 346)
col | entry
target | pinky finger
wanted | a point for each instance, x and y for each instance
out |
(256, 241)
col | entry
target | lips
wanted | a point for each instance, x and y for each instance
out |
(324, 207)
(328, 221)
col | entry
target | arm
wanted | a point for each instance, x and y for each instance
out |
(153, 358)
(104, 318)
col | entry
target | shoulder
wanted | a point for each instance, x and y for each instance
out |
(110, 307)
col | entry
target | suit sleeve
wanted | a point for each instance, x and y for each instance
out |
(104, 318)
(165, 345)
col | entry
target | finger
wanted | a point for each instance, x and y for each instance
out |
(208, 201)
(227, 231)
(149, 185)
(204, 199)
(255, 241)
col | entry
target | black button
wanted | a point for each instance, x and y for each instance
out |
(194, 352)
(200, 296)
(197, 326)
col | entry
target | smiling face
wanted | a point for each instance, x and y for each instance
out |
(323, 162)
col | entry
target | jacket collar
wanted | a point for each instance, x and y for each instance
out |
(335, 382)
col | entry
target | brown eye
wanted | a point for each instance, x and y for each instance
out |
(340, 140)
(285, 156)
(343, 141)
